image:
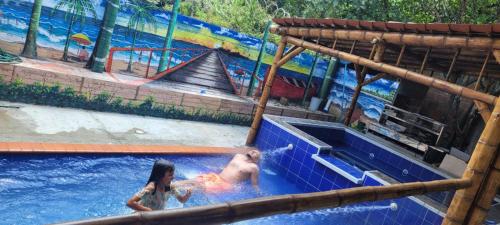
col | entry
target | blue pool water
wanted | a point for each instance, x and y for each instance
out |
(40, 189)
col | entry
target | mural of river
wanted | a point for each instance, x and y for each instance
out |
(189, 33)
(240, 49)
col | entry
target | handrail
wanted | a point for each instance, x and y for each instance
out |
(227, 73)
(247, 71)
(230, 212)
(151, 50)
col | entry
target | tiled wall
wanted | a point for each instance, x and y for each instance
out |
(310, 176)
(381, 155)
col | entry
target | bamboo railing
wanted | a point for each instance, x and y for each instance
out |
(429, 40)
(253, 208)
(398, 72)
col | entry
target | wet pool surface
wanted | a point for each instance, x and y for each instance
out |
(41, 189)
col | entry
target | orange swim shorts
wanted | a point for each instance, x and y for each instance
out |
(213, 183)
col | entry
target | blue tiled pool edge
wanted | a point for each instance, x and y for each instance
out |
(310, 174)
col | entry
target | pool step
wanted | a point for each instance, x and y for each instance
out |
(339, 166)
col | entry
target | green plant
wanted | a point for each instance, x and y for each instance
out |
(55, 95)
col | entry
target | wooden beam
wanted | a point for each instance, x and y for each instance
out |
(482, 159)
(265, 94)
(482, 70)
(482, 108)
(398, 72)
(452, 65)
(378, 76)
(290, 55)
(424, 61)
(360, 78)
(410, 39)
(496, 53)
(381, 75)
(230, 212)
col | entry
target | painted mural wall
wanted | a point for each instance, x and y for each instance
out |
(189, 33)
(372, 99)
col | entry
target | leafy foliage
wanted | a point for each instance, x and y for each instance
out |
(250, 16)
(55, 95)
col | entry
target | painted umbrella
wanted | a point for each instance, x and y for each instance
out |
(81, 39)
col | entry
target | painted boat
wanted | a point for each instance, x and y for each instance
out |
(290, 87)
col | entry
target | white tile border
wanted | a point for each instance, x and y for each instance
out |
(338, 170)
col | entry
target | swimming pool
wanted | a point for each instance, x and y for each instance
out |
(329, 156)
(41, 189)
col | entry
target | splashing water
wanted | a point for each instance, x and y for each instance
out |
(275, 152)
(328, 212)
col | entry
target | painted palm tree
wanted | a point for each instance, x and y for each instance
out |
(141, 18)
(29, 49)
(101, 48)
(78, 10)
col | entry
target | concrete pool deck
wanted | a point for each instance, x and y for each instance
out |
(28, 128)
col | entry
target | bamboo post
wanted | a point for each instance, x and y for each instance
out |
(398, 72)
(265, 94)
(361, 77)
(488, 192)
(230, 212)
(481, 160)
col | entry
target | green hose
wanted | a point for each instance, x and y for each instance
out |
(6, 57)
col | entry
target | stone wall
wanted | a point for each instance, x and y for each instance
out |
(188, 101)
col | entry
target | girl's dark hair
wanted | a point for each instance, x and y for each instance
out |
(159, 168)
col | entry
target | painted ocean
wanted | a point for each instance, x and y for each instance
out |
(371, 106)
(53, 27)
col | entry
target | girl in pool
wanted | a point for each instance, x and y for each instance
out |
(158, 189)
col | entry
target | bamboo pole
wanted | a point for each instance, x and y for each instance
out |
(425, 40)
(290, 55)
(482, 70)
(353, 46)
(482, 108)
(496, 53)
(398, 72)
(424, 61)
(481, 161)
(488, 192)
(266, 206)
(361, 77)
(381, 75)
(452, 65)
(265, 94)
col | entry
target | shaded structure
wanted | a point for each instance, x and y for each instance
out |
(206, 71)
(413, 52)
